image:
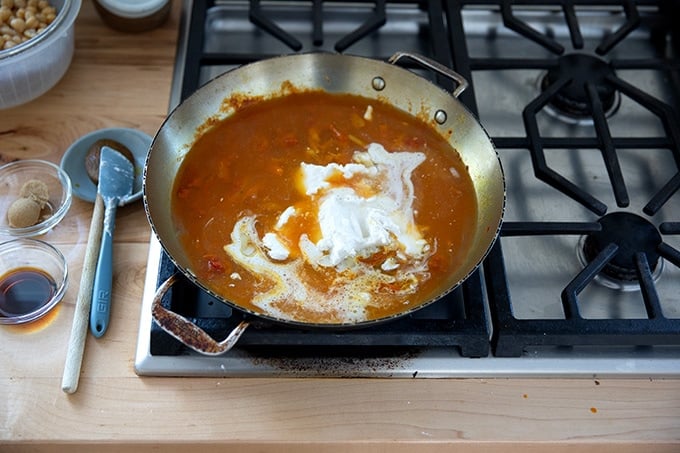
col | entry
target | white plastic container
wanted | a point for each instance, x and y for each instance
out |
(31, 68)
(133, 15)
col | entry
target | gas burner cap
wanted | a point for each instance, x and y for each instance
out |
(572, 103)
(633, 234)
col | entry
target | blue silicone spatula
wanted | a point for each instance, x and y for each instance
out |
(116, 177)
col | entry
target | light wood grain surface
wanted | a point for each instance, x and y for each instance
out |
(124, 80)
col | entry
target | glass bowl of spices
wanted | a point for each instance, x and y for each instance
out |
(34, 196)
(33, 279)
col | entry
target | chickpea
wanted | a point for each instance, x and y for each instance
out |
(32, 22)
(5, 14)
(18, 24)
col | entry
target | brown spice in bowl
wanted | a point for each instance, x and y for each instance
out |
(26, 210)
(35, 190)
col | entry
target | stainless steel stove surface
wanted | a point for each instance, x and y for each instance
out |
(581, 100)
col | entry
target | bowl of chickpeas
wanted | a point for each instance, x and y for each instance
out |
(36, 47)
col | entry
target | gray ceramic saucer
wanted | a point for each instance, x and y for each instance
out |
(73, 161)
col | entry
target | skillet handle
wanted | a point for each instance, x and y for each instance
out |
(436, 67)
(187, 332)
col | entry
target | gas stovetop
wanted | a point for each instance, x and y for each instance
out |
(581, 100)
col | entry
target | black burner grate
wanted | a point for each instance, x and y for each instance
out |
(461, 320)
(512, 335)
(457, 320)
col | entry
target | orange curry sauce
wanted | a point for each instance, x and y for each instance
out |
(247, 165)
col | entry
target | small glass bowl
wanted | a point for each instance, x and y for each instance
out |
(33, 279)
(15, 175)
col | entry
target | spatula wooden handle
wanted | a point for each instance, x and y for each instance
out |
(81, 317)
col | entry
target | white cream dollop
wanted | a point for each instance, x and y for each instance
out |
(363, 208)
(370, 207)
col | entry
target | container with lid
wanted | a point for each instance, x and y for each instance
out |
(133, 15)
(30, 69)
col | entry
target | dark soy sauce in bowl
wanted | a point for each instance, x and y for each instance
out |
(24, 290)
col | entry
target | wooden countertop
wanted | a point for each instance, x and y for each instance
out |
(119, 79)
